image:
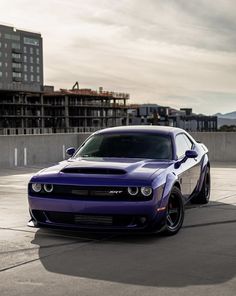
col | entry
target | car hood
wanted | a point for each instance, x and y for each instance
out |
(89, 171)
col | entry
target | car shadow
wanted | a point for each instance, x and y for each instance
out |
(202, 253)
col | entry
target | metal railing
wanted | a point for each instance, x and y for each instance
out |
(39, 131)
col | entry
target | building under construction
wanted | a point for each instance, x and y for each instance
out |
(76, 110)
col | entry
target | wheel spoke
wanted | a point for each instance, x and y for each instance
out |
(170, 220)
(173, 211)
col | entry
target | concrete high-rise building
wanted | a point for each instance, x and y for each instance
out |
(21, 60)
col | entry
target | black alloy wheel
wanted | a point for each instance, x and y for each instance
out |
(174, 212)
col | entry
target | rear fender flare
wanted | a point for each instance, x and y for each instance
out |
(205, 164)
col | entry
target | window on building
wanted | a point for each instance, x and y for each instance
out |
(12, 37)
(25, 58)
(6, 55)
(31, 69)
(25, 77)
(0, 74)
(38, 78)
(0, 44)
(16, 65)
(31, 41)
(37, 69)
(25, 49)
(16, 55)
(15, 74)
(25, 68)
(37, 51)
(31, 50)
(6, 64)
(5, 45)
(31, 60)
(31, 78)
(0, 64)
(16, 45)
(37, 60)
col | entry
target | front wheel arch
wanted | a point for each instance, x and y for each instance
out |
(175, 207)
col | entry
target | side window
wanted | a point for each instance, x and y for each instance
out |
(181, 145)
(189, 142)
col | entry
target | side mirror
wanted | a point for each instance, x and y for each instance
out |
(191, 154)
(70, 151)
(188, 154)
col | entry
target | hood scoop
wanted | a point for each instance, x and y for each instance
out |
(94, 171)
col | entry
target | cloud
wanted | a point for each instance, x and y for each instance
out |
(173, 52)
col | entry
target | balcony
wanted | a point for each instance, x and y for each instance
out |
(16, 60)
(17, 79)
(16, 50)
(16, 69)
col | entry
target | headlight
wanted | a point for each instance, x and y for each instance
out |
(133, 190)
(48, 187)
(36, 187)
(146, 191)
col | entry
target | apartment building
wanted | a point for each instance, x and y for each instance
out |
(21, 60)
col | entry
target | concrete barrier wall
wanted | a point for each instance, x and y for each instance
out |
(222, 146)
(32, 150)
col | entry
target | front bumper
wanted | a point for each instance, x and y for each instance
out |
(103, 215)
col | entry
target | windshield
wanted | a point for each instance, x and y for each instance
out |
(136, 145)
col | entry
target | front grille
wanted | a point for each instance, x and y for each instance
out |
(93, 220)
(95, 171)
(90, 220)
(93, 193)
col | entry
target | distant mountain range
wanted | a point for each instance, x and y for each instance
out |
(226, 119)
(231, 115)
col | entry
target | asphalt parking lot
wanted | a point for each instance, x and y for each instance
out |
(199, 260)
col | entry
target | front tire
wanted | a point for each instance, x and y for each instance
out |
(174, 212)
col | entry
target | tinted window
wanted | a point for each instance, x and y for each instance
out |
(188, 141)
(136, 145)
(182, 144)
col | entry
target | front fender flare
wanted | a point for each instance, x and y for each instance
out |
(171, 181)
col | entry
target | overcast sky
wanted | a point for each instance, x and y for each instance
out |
(179, 53)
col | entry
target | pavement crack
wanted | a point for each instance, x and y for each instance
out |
(52, 254)
(209, 224)
(47, 234)
(36, 248)
(223, 198)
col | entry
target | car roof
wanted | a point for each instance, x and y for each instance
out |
(142, 129)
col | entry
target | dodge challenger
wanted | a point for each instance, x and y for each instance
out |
(130, 178)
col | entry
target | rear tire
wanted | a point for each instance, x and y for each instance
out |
(174, 212)
(204, 195)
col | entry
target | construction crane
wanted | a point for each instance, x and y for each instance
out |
(76, 85)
